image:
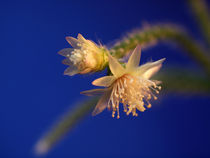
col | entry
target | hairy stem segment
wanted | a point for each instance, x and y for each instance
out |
(200, 10)
(151, 35)
(188, 83)
(63, 126)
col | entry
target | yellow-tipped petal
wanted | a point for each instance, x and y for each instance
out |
(81, 38)
(102, 103)
(134, 59)
(93, 92)
(149, 68)
(72, 41)
(115, 67)
(105, 81)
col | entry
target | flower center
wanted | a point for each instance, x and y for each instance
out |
(132, 92)
(83, 58)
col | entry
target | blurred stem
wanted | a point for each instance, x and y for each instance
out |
(184, 81)
(65, 125)
(200, 9)
(150, 35)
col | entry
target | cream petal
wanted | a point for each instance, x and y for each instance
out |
(66, 52)
(91, 44)
(105, 81)
(149, 73)
(93, 92)
(72, 70)
(73, 42)
(126, 57)
(133, 61)
(149, 69)
(81, 38)
(85, 70)
(102, 103)
(115, 67)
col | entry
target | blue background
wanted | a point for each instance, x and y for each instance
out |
(35, 93)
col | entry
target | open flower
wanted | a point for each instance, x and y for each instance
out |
(130, 85)
(84, 57)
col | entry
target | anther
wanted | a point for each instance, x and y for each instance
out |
(149, 106)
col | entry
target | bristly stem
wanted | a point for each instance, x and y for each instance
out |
(200, 10)
(64, 125)
(183, 80)
(163, 32)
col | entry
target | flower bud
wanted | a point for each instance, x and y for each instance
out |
(84, 57)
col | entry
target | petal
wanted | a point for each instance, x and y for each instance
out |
(66, 52)
(81, 38)
(105, 81)
(72, 70)
(72, 41)
(149, 69)
(115, 67)
(66, 61)
(126, 57)
(102, 103)
(86, 70)
(93, 92)
(149, 73)
(133, 61)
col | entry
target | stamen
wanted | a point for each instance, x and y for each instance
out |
(118, 113)
(149, 105)
(132, 92)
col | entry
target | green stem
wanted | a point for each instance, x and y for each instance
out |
(150, 35)
(64, 125)
(184, 81)
(200, 9)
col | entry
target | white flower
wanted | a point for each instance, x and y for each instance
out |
(130, 85)
(84, 57)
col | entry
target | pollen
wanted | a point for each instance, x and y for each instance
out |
(133, 92)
